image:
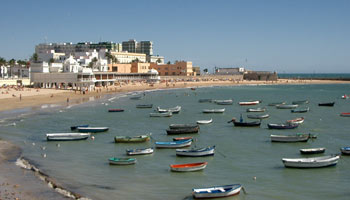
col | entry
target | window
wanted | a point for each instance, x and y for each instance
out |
(166, 73)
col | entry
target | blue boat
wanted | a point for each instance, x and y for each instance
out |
(92, 129)
(174, 144)
(75, 127)
(217, 191)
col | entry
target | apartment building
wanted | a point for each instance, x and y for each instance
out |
(180, 68)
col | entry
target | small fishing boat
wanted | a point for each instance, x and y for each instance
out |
(144, 105)
(315, 162)
(196, 152)
(193, 88)
(248, 103)
(256, 109)
(283, 106)
(205, 121)
(345, 114)
(330, 104)
(276, 103)
(144, 151)
(182, 130)
(224, 102)
(75, 127)
(174, 144)
(130, 139)
(262, 116)
(345, 150)
(180, 126)
(298, 120)
(92, 129)
(300, 110)
(290, 138)
(312, 150)
(188, 167)
(66, 136)
(182, 138)
(241, 123)
(115, 110)
(282, 126)
(136, 98)
(166, 114)
(174, 110)
(204, 100)
(300, 102)
(345, 96)
(122, 161)
(217, 191)
(214, 110)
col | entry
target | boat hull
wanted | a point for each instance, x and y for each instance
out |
(182, 131)
(189, 167)
(92, 129)
(258, 116)
(144, 106)
(312, 151)
(316, 162)
(175, 144)
(217, 191)
(67, 136)
(133, 152)
(214, 110)
(122, 161)
(287, 106)
(282, 126)
(345, 150)
(132, 139)
(210, 151)
(289, 138)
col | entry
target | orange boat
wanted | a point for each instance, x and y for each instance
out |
(182, 138)
(188, 167)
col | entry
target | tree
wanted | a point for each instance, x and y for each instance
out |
(135, 60)
(168, 62)
(51, 60)
(35, 57)
(93, 62)
(205, 70)
(22, 62)
(12, 62)
(159, 60)
(2, 61)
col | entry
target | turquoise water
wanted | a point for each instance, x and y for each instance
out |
(242, 153)
(315, 75)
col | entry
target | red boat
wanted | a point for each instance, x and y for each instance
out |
(188, 167)
(182, 138)
(345, 114)
(116, 110)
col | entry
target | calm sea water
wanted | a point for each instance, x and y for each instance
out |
(315, 75)
(242, 153)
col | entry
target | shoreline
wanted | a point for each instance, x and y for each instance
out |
(9, 152)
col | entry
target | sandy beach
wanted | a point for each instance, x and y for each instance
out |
(27, 186)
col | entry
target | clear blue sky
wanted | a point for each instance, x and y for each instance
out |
(278, 35)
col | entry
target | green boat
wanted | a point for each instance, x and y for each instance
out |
(121, 161)
(126, 139)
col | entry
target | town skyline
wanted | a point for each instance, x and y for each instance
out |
(282, 36)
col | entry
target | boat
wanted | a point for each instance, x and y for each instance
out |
(115, 110)
(197, 152)
(204, 100)
(144, 105)
(214, 110)
(345, 150)
(193, 88)
(188, 167)
(92, 129)
(330, 104)
(290, 138)
(182, 138)
(224, 102)
(248, 103)
(174, 110)
(205, 121)
(300, 102)
(323, 161)
(300, 110)
(180, 126)
(262, 116)
(183, 130)
(174, 144)
(345, 96)
(298, 120)
(217, 191)
(312, 150)
(256, 110)
(345, 114)
(166, 114)
(276, 103)
(122, 161)
(144, 151)
(284, 106)
(245, 124)
(135, 98)
(75, 127)
(282, 126)
(127, 139)
(66, 136)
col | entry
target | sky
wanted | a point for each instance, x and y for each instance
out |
(286, 36)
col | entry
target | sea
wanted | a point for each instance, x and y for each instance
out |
(345, 76)
(243, 155)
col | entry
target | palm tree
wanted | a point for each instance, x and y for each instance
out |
(2, 61)
(158, 60)
(12, 62)
(35, 57)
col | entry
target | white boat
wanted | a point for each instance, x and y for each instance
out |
(224, 102)
(290, 138)
(256, 109)
(214, 110)
(174, 144)
(131, 152)
(298, 120)
(313, 150)
(66, 136)
(323, 161)
(188, 167)
(217, 191)
(174, 110)
(289, 106)
(207, 151)
(345, 150)
(205, 121)
(262, 116)
(248, 103)
(166, 114)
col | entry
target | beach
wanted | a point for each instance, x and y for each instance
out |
(25, 186)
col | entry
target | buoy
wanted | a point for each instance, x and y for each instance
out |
(33, 144)
(44, 155)
(254, 178)
(43, 148)
(58, 145)
(92, 137)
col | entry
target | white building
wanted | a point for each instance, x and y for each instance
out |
(125, 57)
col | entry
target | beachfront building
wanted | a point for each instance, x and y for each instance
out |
(197, 70)
(179, 68)
(229, 71)
(260, 76)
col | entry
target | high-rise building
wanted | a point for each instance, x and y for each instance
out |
(132, 46)
(129, 46)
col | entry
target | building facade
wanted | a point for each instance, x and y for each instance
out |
(181, 68)
(132, 46)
